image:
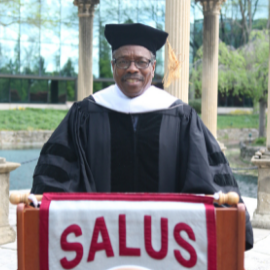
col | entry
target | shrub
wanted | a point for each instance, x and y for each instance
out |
(196, 104)
(240, 112)
(260, 141)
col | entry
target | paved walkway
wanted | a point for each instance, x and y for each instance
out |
(17, 106)
(256, 259)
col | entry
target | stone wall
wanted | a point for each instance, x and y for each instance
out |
(23, 139)
(234, 135)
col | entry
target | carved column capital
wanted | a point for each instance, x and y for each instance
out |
(86, 7)
(211, 7)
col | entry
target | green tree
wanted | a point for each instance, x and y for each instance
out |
(237, 20)
(243, 71)
(248, 9)
(69, 71)
(256, 54)
(104, 60)
(231, 71)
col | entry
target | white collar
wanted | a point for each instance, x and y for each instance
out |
(151, 100)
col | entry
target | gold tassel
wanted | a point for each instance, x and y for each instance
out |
(173, 68)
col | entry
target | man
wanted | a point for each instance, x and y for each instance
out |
(133, 137)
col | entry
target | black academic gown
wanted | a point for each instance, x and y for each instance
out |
(96, 149)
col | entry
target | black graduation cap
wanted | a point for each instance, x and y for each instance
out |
(119, 35)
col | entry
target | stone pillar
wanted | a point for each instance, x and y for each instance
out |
(177, 24)
(7, 234)
(261, 217)
(211, 11)
(268, 106)
(85, 78)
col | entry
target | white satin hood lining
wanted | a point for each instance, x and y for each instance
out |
(151, 100)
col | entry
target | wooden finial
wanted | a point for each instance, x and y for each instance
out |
(231, 198)
(16, 198)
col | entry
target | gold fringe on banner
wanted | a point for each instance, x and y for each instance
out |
(172, 71)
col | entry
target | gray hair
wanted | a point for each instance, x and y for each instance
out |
(153, 57)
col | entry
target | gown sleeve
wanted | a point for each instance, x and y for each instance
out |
(205, 168)
(62, 165)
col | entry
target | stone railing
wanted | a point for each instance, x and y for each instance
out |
(236, 135)
(247, 151)
(261, 217)
(23, 138)
(7, 234)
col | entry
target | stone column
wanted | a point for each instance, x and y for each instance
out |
(85, 78)
(177, 24)
(211, 11)
(268, 112)
(261, 217)
(7, 234)
(268, 106)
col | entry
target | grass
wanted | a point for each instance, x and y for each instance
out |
(31, 119)
(40, 119)
(238, 121)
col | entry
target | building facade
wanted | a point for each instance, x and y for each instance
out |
(39, 43)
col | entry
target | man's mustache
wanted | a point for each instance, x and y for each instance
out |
(132, 77)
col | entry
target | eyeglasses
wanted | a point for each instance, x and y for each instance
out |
(125, 64)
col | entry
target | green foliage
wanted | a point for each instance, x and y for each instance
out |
(128, 21)
(231, 71)
(230, 30)
(234, 26)
(68, 69)
(260, 141)
(260, 24)
(4, 93)
(70, 91)
(39, 67)
(31, 119)
(196, 104)
(196, 76)
(105, 70)
(256, 54)
(197, 40)
(243, 71)
(21, 88)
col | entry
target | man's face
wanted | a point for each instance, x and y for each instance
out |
(133, 81)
